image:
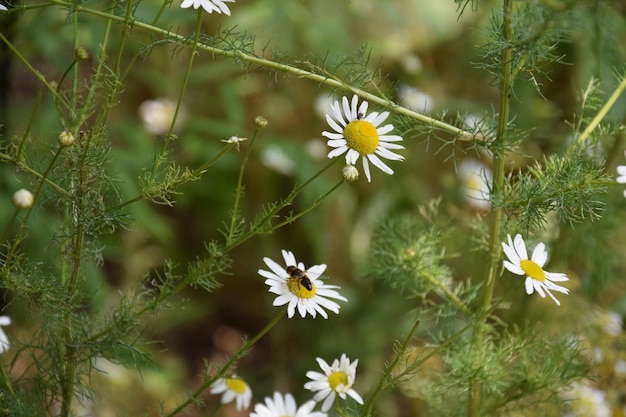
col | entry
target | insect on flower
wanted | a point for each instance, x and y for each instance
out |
(298, 277)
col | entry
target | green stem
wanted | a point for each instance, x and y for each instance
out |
(194, 49)
(447, 292)
(296, 72)
(495, 222)
(36, 73)
(602, 113)
(243, 350)
(384, 379)
(239, 191)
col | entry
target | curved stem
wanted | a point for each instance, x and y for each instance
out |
(243, 350)
(289, 69)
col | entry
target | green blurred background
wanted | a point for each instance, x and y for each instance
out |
(421, 44)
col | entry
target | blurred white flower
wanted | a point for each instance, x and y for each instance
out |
(586, 401)
(3, 7)
(209, 5)
(276, 158)
(610, 322)
(411, 63)
(285, 406)
(23, 199)
(233, 389)
(157, 115)
(4, 340)
(476, 179)
(621, 174)
(414, 99)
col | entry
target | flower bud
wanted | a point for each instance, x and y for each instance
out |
(23, 199)
(350, 173)
(65, 138)
(260, 122)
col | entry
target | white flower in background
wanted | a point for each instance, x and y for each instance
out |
(4, 340)
(586, 401)
(322, 103)
(23, 199)
(3, 8)
(285, 406)
(621, 174)
(476, 179)
(276, 158)
(610, 322)
(411, 63)
(210, 6)
(337, 379)
(358, 134)
(300, 287)
(233, 389)
(414, 99)
(157, 115)
(536, 278)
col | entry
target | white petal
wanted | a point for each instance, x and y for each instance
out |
(389, 155)
(333, 124)
(520, 246)
(530, 288)
(513, 268)
(379, 164)
(337, 151)
(539, 255)
(352, 156)
(384, 129)
(366, 169)
(380, 118)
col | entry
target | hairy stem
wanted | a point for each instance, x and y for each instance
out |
(496, 215)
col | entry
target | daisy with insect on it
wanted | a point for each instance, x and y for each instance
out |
(358, 134)
(336, 380)
(537, 279)
(210, 6)
(234, 389)
(285, 406)
(300, 287)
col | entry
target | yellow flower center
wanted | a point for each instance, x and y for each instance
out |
(336, 379)
(236, 385)
(361, 136)
(299, 290)
(533, 270)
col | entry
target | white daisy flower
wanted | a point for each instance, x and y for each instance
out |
(414, 99)
(4, 340)
(4, 8)
(285, 406)
(157, 115)
(209, 5)
(300, 287)
(621, 174)
(476, 179)
(358, 134)
(536, 277)
(336, 380)
(233, 389)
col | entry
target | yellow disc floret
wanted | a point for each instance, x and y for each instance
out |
(533, 270)
(236, 385)
(361, 136)
(337, 379)
(299, 290)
